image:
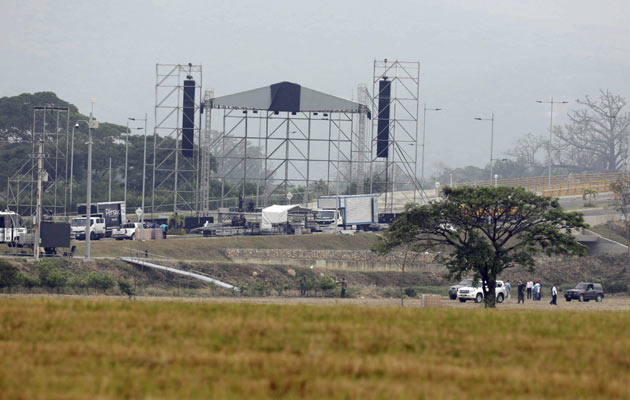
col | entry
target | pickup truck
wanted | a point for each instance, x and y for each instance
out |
(127, 231)
(476, 293)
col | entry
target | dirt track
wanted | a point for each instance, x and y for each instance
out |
(613, 303)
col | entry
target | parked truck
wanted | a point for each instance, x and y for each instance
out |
(348, 211)
(113, 212)
(12, 229)
(97, 228)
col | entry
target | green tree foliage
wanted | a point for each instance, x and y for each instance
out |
(126, 288)
(100, 281)
(9, 275)
(486, 230)
(51, 276)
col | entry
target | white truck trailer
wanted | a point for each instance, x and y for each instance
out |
(349, 211)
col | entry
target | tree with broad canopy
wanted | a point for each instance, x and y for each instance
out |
(486, 230)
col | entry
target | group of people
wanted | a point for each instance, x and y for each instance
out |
(533, 290)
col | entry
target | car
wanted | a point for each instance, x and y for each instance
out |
(127, 231)
(476, 293)
(585, 291)
(452, 291)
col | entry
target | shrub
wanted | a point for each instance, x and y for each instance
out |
(28, 281)
(98, 281)
(411, 292)
(50, 276)
(126, 288)
(77, 283)
(9, 275)
(176, 224)
(326, 283)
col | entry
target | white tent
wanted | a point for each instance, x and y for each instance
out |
(277, 214)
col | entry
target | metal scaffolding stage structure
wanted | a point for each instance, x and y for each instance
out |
(50, 126)
(176, 156)
(396, 90)
(278, 139)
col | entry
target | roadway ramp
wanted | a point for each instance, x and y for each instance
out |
(193, 275)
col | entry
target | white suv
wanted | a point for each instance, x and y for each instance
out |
(127, 231)
(476, 293)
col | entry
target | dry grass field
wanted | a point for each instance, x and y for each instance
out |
(110, 348)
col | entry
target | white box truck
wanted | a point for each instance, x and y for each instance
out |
(349, 211)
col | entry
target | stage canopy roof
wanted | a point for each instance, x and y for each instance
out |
(289, 97)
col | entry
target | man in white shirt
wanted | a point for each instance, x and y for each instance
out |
(554, 295)
(530, 286)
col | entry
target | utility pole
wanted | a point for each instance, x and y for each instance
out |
(126, 158)
(38, 212)
(88, 202)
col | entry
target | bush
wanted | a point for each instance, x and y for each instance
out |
(9, 275)
(77, 283)
(50, 275)
(28, 281)
(326, 283)
(126, 288)
(411, 292)
(176, 224)
(98, 281)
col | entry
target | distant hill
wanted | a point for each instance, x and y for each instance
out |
(16, 126)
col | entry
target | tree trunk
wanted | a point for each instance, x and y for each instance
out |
(489, 295)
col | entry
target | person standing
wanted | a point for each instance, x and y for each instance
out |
(554, 295)
(164, 228)
(521, 292)
(344, 286)
(530, 286)
(536, 291)
(303, 286)
(508, 289)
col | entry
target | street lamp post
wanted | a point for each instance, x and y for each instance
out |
(144, 162)
(76, 125)
(550, 133)
(424, 128)
(491, 142)
(126, 159)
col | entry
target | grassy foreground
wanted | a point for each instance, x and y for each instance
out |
(105, 349)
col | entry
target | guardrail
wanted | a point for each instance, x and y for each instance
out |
(560, 185)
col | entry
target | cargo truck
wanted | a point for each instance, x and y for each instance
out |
(347, 211)
(113, 212)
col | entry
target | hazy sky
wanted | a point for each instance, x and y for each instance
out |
(477, 57)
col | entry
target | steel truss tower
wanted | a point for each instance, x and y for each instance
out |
(175, 178)
(308, 153)
(206, 156)
(50, 126)
(397, 172)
